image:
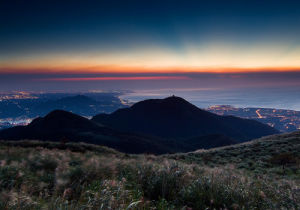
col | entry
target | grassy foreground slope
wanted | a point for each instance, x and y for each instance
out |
(277, 155)
(45, 175)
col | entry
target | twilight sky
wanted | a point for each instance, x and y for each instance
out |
(136, 44)
(149, 36)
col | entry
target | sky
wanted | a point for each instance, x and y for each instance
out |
(134, 44)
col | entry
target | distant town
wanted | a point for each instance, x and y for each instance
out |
(281, 119)
(20, 108)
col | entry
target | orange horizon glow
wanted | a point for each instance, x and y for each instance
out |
(212, 57)
(116, 69)
(115, 78)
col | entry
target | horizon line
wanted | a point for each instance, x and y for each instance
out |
(114, 69)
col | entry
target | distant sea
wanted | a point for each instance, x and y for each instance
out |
(279, 98)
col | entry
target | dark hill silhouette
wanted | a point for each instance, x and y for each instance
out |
(61, 126)
(152, 126)
(64, 126)
(174, 117)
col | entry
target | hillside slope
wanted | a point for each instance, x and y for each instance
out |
(47, 175)
(277, 154)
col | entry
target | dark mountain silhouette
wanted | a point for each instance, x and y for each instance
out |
(175, 118)
(152, 126)
(65, 126)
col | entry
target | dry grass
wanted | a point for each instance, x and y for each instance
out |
(41, 178)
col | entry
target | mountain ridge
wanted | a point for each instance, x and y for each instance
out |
(174, 117)
(63, 126)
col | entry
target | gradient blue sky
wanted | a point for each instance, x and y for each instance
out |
(139, 36)
(163, 45)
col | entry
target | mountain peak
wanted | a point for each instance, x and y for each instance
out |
(58, 119)
(175, 99)
(58, 114)
(167, 104)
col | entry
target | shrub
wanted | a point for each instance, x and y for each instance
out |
(9, 178)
